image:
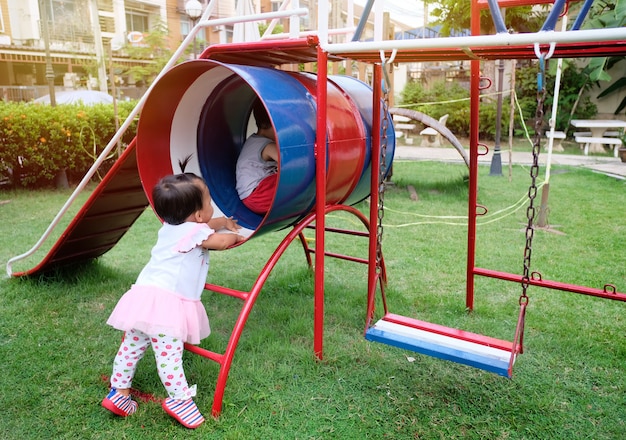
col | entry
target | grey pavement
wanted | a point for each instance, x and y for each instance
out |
(608, 165)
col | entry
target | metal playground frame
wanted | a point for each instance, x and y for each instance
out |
(121, 196)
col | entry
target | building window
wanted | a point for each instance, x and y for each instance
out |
(229, 32)
(185, 27)
(60, 10)
(137, 22)
(68, 20)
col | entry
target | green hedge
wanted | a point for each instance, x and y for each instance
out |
(426, 100)
(39, 141)
(443, 97)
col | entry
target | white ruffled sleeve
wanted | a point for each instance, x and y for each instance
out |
(193, 237)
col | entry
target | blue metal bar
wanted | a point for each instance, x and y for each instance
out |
(582, 15)
(497, 18)
(553, 16)
(363, 20)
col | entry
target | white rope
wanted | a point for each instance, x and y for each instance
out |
(498, 215)
(493, 217)
(555, 107)
(450, 101)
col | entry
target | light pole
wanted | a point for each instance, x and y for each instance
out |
(193, 9)
(496, 160)
(43, 13)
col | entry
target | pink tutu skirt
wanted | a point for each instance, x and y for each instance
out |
(157, 311)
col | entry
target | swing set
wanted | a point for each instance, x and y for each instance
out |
(214, 93)
(479, 351)
(452, 344)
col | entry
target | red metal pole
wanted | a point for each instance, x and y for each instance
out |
(608, 292)
(372, 275)
(473, 167)
(320, 202)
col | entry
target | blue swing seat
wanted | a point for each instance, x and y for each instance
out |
(493, 355)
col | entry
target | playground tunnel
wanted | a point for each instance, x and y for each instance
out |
(202, 109)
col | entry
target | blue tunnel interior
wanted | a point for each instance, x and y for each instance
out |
(214, 101)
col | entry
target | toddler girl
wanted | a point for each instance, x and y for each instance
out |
(163, 309)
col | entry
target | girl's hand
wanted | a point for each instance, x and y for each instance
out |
(224, 223)
(221, 241)
(231, 224)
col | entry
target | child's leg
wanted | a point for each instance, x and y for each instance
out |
(131, 351)
(262, 196)
(169, 357)
(168, 353)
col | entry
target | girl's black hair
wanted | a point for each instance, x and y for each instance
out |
(184, 162)
(260, 115)
(176, 197)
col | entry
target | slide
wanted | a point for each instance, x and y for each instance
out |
(115, 204)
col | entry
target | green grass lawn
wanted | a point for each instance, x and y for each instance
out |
(569, 384)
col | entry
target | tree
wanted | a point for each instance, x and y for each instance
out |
(573, 102)
(454, 15)
(154, 48)
(278, 29)
(151, 54)
(608, 14)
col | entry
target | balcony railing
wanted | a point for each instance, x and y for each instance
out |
(72, 31)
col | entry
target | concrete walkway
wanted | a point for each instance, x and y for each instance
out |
(608, 165)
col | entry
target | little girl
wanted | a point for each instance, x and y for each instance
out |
(163, 309)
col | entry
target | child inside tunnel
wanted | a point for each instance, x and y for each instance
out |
(257, 164)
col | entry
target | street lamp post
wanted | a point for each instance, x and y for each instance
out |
(46, 41)
(193, 9)
(496, 160)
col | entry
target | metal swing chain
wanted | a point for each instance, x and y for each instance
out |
(534, 172)
(382, 171)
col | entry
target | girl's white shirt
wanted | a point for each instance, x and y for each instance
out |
(178, 262)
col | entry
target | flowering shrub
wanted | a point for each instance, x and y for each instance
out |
(39, 141)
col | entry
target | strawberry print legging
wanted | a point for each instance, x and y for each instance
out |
(168, 353)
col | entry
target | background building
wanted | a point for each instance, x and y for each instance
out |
(71, 34)
(83, 37)
(87, 37)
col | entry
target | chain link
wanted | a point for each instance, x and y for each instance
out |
(534, 172)
(381, 177)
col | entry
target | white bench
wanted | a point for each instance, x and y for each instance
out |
(430, 136)
(405, 126)
(557, 138)
(400, 118)
(400, 124)
(399, 129)
(588, 133)
(584, 142)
